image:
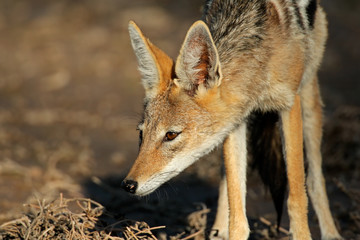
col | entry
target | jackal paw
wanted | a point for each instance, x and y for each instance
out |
(216, 238)
(216, 234)
(332, 238)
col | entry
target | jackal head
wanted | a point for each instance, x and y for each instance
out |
(181, 120)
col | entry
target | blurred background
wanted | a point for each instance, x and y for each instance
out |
(71, 98)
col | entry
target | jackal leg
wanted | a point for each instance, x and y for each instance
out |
(235, 166)
(312, 115)
(221, 224)
(293, 143)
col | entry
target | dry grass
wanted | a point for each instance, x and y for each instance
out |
(83, 218)
(75, 218)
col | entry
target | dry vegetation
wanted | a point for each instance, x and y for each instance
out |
(70, 99)
(55, 220)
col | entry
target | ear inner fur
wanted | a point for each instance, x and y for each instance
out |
(198, 62)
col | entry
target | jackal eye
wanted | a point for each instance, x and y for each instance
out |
(169, 136)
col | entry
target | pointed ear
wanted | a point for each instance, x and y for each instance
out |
(275, 13)
(156, 68)
(198, 63)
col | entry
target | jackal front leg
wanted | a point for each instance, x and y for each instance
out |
(312, 112)
(220, 229)
(293, 141)
(235, 166)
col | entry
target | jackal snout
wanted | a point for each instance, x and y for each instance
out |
(129, 185)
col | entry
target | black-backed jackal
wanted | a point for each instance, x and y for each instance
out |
(245, 56)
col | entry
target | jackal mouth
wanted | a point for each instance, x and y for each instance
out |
(154, 182)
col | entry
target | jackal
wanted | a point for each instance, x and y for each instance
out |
(244, 56)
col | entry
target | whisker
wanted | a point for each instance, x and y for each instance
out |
(166, 195)
(157, 192)
(175, 190)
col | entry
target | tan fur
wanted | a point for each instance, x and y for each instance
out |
(235, 150)
(297, 201)
(220, 227)
(165, 65)
(267, 61)
(312, 112)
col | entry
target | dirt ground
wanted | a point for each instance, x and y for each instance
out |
(70, 100)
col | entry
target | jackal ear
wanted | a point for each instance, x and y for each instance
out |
(275, 13)
(156, 68)
(198, 63)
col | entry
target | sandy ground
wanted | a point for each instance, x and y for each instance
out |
(70, 100)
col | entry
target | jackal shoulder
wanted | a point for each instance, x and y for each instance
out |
(241, 25)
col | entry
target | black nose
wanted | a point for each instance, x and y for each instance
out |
(129, 185)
